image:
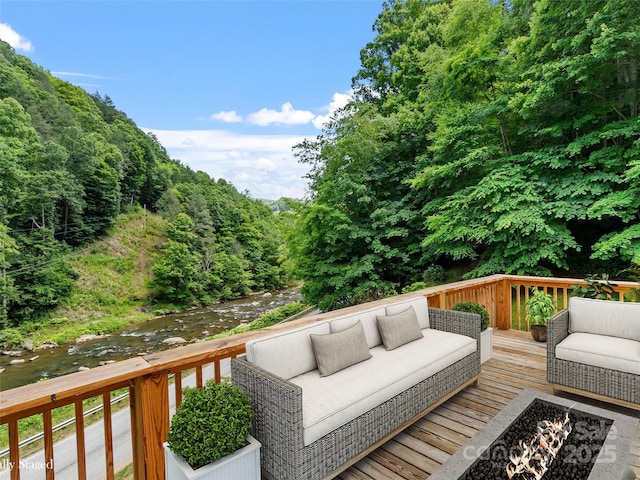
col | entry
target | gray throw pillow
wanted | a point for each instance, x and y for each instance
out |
(398, 329)
(337, 351)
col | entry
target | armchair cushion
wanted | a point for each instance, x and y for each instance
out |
(604, 317)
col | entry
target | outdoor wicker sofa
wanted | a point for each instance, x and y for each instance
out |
(593, 349)
(313, 426)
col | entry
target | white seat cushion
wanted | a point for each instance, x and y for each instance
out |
(330, 402)
(603, 351)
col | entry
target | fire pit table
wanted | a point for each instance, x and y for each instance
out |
(544, 437)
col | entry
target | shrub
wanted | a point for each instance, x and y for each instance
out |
(434, 274)
(363, 296)
(10, 338)
(277, 315)
(596, 287)
(414, 287)
(473, 307)
(211, 423)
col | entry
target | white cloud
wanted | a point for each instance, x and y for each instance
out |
(14, 39)
(265, 165)
(286, 116)
(290, 116)
(262, 164)
(339, 101)
(227, 117)
(74, 74)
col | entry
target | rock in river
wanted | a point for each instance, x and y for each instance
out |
(173, 340)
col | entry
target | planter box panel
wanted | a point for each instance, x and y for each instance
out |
(244, 464)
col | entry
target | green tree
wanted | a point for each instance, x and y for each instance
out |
(42, 277)
(539, 171)
(174, 274)
(8, 246)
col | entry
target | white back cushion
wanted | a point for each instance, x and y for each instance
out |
(604, 317)
(287, 354)
(369, 323)
(419, 304)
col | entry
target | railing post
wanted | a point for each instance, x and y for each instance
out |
(503, 304)
(150, 424)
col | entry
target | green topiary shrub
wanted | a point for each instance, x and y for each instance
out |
(210, 423)
(473, 307)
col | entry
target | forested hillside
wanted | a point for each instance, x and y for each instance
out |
(71, 163)
(502, 135)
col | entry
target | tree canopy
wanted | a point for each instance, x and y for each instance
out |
(501, 135)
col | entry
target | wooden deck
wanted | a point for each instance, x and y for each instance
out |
(518, 362)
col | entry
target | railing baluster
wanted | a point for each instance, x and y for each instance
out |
(519, 306)
(14, 449)
(108, 435)
(178, 387)
(80, 444)
(526, 299)
(217, 374)
(137, 437)
(199, 381)
(48, 444)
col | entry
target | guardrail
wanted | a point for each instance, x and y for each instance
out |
(147, 378)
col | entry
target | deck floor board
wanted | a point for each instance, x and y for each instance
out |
(518, 362)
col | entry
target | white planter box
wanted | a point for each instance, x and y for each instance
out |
(486, 344)
(244, 464)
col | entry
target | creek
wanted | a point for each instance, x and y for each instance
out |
(140, 338)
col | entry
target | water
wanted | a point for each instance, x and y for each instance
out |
(140, 338)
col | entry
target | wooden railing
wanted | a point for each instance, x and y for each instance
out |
(505, 296)
(149, 378)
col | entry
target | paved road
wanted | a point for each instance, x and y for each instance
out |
(64, 451)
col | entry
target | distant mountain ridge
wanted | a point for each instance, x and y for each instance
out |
(71, 163)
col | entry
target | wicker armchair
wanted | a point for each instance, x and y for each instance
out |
(605, 384)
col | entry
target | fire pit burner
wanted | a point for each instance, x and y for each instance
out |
(542, 437)
(533, 447)
(533, 459)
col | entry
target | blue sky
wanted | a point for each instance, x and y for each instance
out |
(228, 87)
